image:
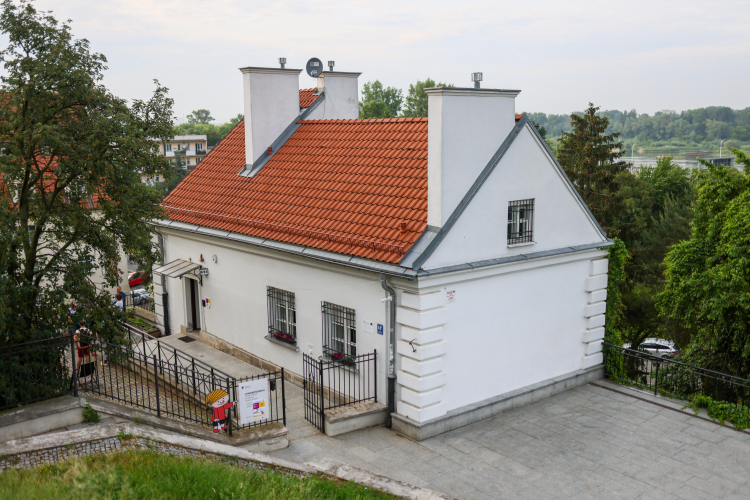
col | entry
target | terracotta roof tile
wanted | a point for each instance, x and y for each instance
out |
(307, 97)
(338, 185)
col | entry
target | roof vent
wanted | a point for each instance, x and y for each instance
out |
(270, 150)
(282, 62)
(476, 78)
(331, 64)
(402, 226)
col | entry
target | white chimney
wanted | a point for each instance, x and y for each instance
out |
(466, 128)
(342, 96)
(271, 104)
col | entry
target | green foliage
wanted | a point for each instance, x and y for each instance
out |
(696, 127)
(68, 145)
(416, 97)
(586, 154)
(708, 276)
(122, 436)
(200, 116)
(379, 102)
(614, 315)
(213, 133)
(148, 474)
(722, 411)
(90, 415)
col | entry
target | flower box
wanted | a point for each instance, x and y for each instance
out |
(286, 338)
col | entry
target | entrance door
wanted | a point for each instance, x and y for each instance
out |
(193, 301)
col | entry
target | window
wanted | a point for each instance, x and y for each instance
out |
(157, 178)
(282, 316)
(520, 221)
(339, 331)
(198, 146)
(169, 147)
(197, 160)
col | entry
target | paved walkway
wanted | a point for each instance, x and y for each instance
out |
(590, 442)
(598, 441)
(295, 411)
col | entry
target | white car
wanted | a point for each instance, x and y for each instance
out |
(660, 348)
(140, 297)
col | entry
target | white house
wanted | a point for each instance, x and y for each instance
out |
(307, 220)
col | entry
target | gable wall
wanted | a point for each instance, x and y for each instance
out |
(525, 172)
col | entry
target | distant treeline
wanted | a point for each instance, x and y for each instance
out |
(703, 127)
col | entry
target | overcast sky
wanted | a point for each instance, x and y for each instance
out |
(646, 55)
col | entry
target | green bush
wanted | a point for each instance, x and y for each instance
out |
(90, 416)
(722, 411)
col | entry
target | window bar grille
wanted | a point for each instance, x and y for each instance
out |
(339, 331)
(520, 221)
(282, 316)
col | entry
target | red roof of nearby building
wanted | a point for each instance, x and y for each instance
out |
(341, 185)
(307, 97)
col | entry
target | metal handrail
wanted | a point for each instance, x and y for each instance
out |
(674, 362)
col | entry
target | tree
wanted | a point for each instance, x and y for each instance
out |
(708, 276)
(200, 116)
(416, 98)
(70, 170)
(379, 102)
(213, 133)
(587, 154)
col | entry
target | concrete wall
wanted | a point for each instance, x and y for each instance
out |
(271, 103)
(237, 283)
(466, 128)
(507, 327)
(525, 172)
(342, 97)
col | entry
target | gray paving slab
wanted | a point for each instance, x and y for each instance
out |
(590, 442)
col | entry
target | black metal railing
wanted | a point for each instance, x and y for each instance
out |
(140, 372)
(34, 371)
(672, 378)
(275, 404)
(333, 383)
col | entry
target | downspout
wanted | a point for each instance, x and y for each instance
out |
(164, 293)
(391, 349)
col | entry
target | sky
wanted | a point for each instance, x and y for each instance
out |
(643, 55)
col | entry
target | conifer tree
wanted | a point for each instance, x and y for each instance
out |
(591, 160)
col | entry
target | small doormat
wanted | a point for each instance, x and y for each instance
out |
(186, 339)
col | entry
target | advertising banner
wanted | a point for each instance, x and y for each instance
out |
(253, 401)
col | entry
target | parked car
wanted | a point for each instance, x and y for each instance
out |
(140, 297)
(658, 347)
(136, 278)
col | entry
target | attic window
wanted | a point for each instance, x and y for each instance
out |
(520, 222)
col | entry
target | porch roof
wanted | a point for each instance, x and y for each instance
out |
(177, 268)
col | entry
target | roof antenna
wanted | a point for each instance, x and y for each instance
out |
(282, 61)
(331, 64)
(476, 78)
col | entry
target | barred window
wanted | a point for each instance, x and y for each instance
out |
(339, 331)
(520, 221)
(282, 316)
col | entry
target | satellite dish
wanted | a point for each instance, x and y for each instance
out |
(314, 67)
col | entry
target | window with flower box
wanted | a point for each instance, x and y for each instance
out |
(282, 316)
(339, 332)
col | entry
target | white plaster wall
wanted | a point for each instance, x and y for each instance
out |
(342, 97)
(237, 284)
(271, 103)
(466, 128)
(525, 172)
(512, 330)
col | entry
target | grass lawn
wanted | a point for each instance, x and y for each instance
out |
(151, 475)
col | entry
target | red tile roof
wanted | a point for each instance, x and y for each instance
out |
(519, 116)
(340, 185)
(307, 97)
